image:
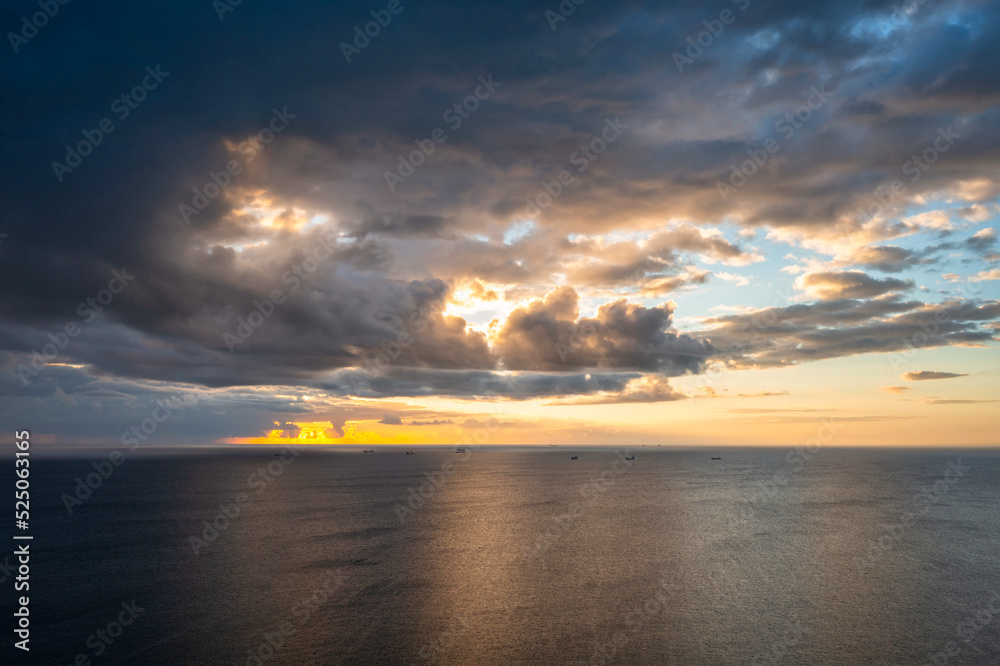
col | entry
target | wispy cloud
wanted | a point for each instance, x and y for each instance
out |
(923, 375)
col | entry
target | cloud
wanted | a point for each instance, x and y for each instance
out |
(953, 401)
(890, 258)
(390, 419)
(992, 274)
(829, 285)
(788, 335)
(935, 219)
(895, 389)
(762, 394)
(644, 389)
(709, 392)
(922, 375)
(547, 334)
(982, 240)
(975, 213)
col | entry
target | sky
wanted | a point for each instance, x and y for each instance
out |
(687, 224)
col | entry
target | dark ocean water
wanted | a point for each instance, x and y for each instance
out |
(521, 557)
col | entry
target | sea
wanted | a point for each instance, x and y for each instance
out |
(507, 555)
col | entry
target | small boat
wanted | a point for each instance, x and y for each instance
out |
(630, 458)
(410, 453)
(573, 457)
(459, 450)
(716, 458)
(368, 451)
